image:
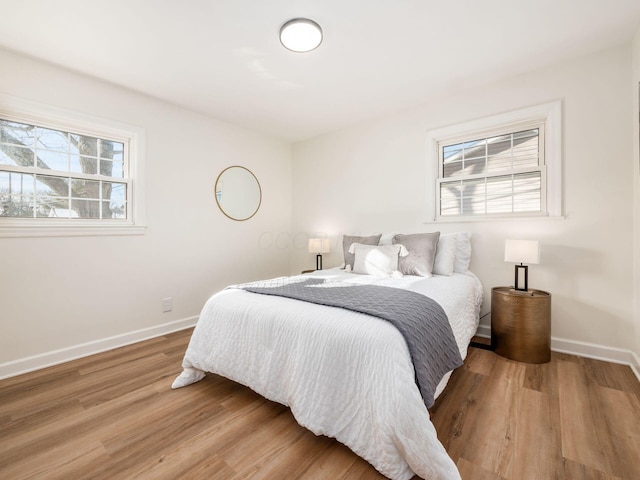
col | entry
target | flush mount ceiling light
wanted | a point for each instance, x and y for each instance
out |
(300, 35)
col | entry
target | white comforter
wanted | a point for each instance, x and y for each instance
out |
(343, 374)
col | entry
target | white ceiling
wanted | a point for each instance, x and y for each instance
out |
(223, 57)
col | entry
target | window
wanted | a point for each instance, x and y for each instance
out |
(68, 175)
(502, 166)
(47, 173)
(498, 174)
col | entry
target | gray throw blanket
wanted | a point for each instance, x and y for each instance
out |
(420, 319)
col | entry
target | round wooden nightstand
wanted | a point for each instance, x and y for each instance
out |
(521, 324)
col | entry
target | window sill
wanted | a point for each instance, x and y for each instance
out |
(8, 231)
(495, 218)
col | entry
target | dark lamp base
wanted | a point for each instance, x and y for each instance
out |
(517, 278)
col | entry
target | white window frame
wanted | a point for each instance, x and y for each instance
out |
(549, 115)
(34, 113)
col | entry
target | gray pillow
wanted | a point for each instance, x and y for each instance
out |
(422, 253)
(347, 240)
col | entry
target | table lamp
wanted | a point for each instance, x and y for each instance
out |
(521, 251)
(319, 246)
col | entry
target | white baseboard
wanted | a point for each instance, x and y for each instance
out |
(591, 350)
(585, 349)
(55, 357)
(484, 331)
(635, 364)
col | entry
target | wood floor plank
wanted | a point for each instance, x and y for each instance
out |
(577, 471)
(258, 449)
(25, 420)
(622, 415)
(361, 470)
(120, 356)
(216, 427)
(114, 416)
(470, 471)
(46, 435)
(290, 462)
(211, 467)
(20, 401)
(481, 361)
(541, 377)
(65, 460)
(455, 412)
(611, 375)
(195, 453)
(333, 462)
(491, 443)
(584, 433)
(110, 384)
(537, 452)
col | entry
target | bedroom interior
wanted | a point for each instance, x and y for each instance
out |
(94, 327)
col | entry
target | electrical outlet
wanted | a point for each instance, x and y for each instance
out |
(167, 304)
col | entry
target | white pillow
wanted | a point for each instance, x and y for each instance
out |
(386, 239)
(377, 260)
(445, 254)
(348, 240)
(463, 252)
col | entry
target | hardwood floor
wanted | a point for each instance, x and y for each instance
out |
(572, 418)
(114, 416)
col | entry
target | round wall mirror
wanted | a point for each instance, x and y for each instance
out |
(238, 193)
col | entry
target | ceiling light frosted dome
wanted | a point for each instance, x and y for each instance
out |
(300, 35)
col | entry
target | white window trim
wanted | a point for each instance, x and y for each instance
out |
(30, 112)
(549, 113)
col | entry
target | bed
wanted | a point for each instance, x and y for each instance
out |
(343, 374)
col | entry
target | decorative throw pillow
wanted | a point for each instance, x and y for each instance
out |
(348, 240)
(422, 253)
(445, 254)
(381, 261)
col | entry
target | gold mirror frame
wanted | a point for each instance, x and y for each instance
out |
(219, 191)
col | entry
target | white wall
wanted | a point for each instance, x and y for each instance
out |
(636, 179)
(371, 178)
(58, 293)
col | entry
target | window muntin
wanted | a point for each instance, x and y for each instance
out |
(51, 173)
(497, 174)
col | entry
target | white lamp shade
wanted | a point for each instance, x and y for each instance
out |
(318, 245)
(522, 251)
